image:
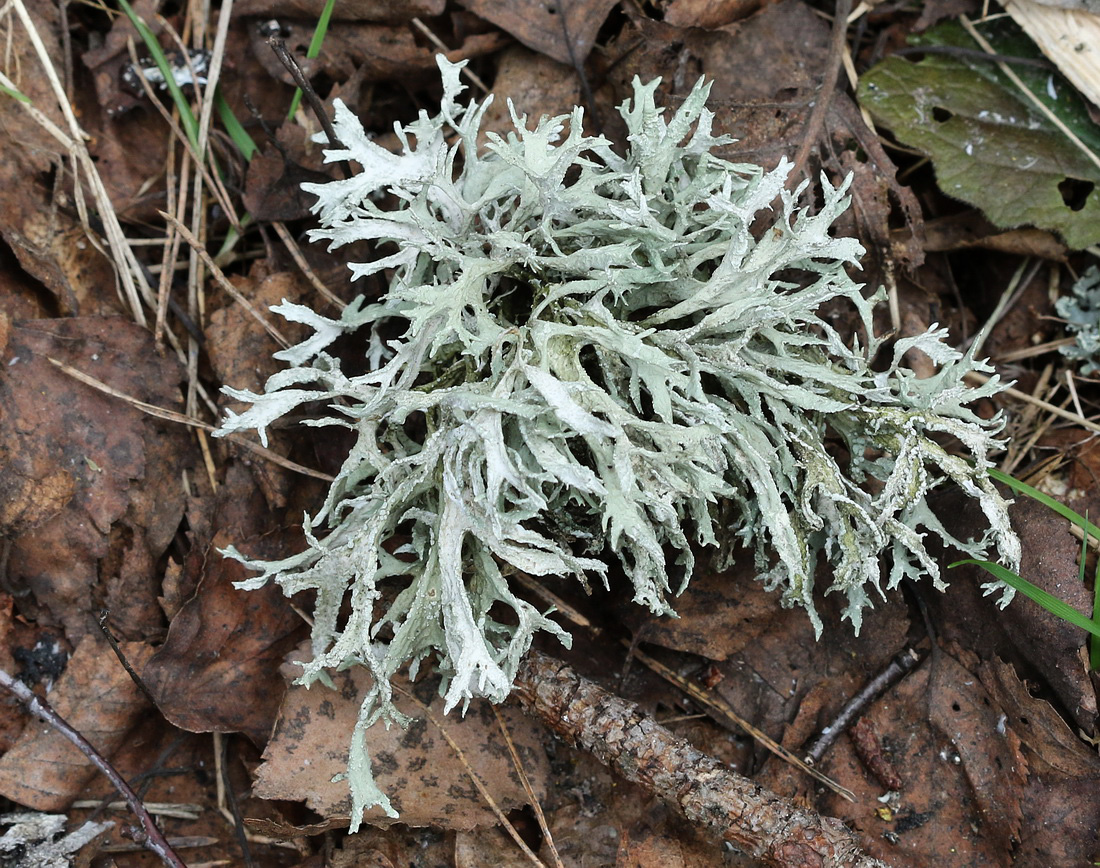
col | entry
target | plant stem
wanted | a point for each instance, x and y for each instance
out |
(149, 835)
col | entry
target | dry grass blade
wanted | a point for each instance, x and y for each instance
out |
(223, 281)
(535, 806)
(135, 287)
(481, 788)
(183, 419)
(299, 259)
(1076, 418)
(720, 706)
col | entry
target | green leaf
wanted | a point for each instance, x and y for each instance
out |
(990, 145)
(1048, 601)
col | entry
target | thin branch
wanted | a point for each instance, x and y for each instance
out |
(816, 123)
(149, 835)
(704, 790)
(113, 642)
(278, 45)
(902, 664)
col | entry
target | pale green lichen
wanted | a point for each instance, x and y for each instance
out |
(593, 360)
(1081, 311)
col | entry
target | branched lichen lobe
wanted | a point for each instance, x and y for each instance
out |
(605, 365)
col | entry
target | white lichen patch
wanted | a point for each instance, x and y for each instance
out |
(586, 357)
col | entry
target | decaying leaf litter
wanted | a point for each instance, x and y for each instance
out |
(107, 508)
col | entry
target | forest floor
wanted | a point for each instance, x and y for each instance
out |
(116, 337)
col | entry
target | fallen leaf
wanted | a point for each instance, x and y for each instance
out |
(709, 14)
(96, 696)
(989, 750)
(37, 215)
(964, 783)
(1053, 748)
(89, 486)
(969, 229)
(274, 177)
(394, 848)
(240, 351)
(218, 670)
(766, 73)
(537, 86)
(373, 51)
(562, 29)
(1024, 631)
(386, 11)
(990, 145)
(415, 767)
(489, 845)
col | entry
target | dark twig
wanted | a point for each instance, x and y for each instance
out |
(586, 89)
(234, 806)
(729, 806)
(902, 664)
(816, 123)
(278, 45)
(113, 642)
(727, 715)
(149, 835)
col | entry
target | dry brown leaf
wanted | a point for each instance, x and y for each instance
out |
(936, 812)
(373, 51)
(537, 85)
(1025, 631)
(416, 768)
(96, 696)
(562, 29)
(89, 486)
(719, 616)
(385, 11)
(988, 749)
(1060, 823)
(240, 351)
(1053, 749)
(709, 14)
(394, 848)
(664, 848)
(274, 177)
(218, 669)
(969, 229)
(489, 845)
(766, 72)
(37, 213)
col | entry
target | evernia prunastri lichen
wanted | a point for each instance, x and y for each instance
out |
(597, 362)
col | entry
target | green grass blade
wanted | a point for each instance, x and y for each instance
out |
(1034, 493)
(15, 94)
(1094, 648)
(187, 117)
(314, 48)
(233, 127)
(1048, 601)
